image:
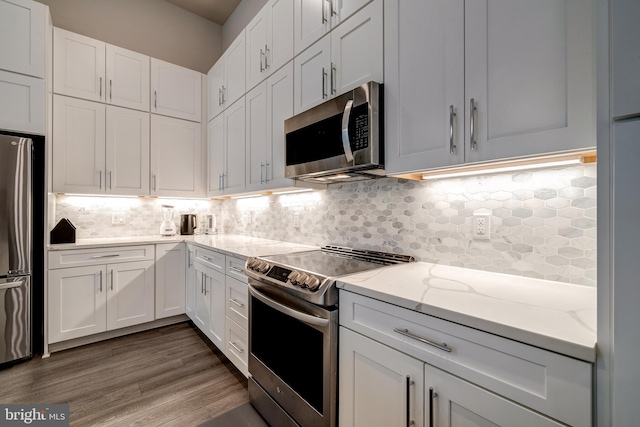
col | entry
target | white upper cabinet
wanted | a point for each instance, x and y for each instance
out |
(215, 155)
(338, 62)
(175, 91)
(175, 157)
(233, 179)
(127, 152)
(227, 78)
(215, 81)
(22, 101)
(525, 85)
(22, 27)
(315, 18)
(256, 34)
(78, 146)
(625, 56)
(78, 66)
(127, 83)
(256, 137)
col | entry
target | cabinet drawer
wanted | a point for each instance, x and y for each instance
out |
(236, 346)
(237, 302)
(82, 257)
(547, 382)
(235, 269)
(211, 259)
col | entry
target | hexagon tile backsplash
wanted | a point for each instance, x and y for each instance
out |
(543, 222)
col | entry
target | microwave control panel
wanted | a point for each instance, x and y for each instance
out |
(359, 127)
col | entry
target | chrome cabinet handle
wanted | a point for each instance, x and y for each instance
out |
(236, 270)
(100, 280)
(205, 284)
(261, 59)
(222, 181)
(224, 91)
(219, 97)
(154, 182)
(106, 256)
(409, 383)
(345, 131)
(155, 99)
(442, 346)
(100, 87)
(333, 72)
(201, 282)
(112, 280)
(110, 89)
(266, 56)
(110, 187)
(239, 304)
(324, 19)
(452, 115)
(219, 179)
(333, 9)
(432, 395)
(266, 172)
(473, 111)
(261, 172)
(324, 83)
(190, 255)
(100, 179)
(236, 348)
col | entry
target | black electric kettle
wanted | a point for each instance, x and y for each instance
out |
(188, 223)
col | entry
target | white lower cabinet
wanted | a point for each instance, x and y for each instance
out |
(237, 346)
(170, 280)
(100, 297)
(393, 362)
(215, 290)
(202, 302)
(190, 284)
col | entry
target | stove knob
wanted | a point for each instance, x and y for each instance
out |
(293, 276)
(263, 267)
(313, 283)
(251, 263)
(300, 280)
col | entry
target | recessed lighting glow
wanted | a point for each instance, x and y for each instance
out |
(299, 190)
(500, 169)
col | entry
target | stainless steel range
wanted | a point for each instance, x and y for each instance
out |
(293, 331)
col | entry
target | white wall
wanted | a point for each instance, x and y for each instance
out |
(241, 16)
(153, 27)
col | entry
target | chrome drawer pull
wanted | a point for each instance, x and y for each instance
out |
(442, 346)
(106, 256)
(206, 258)
(238, 349)
(236, 270)
(239, 304)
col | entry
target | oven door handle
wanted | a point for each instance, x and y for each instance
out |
(346, 145)
(303, 317)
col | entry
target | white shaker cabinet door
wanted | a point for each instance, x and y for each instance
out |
(170, 280)
(191, 286)
(256, 48)
(529, 71)
(356, 50)
(312, 70)
(130, 294)
(22, 101)
(233, 179)
(175, 157)
(625, 57)
(77, 302)
(256, 137)
(176, 91)
(127, 155)
(311, 20)
(279, 34)
(203, 301)
(279, 108)
(457, 403)
(424, 84)
(127, 82)
(235, 72)
(22, 27)
(377, 384)
(216, 155)
(215, 81)
(214, 288)
(78, 66)
(78, 146)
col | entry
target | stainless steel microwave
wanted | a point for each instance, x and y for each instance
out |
(338, 140)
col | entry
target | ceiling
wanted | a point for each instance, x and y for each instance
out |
(217, 11)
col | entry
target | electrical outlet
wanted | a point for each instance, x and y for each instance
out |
(117, 219)
(482, 225)
(296, 220)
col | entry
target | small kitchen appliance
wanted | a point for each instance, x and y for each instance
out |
(210, 226)
(168, 227)
(188, 224)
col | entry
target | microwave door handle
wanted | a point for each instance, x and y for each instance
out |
(345, 131)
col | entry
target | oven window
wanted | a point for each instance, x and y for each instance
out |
(291, 349)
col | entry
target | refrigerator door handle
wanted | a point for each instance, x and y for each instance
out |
(11, 283)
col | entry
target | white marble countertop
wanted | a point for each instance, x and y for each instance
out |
(554, 316)
(229, 244)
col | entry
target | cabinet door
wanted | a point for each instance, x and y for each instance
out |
(130, 294)
(424, 80)
(175, 157)
(256, 137)
(127, 78)
(279, 108)
(127, 155)
(377, 384)
(78, 146)
(203, 302)
(279, 34)
(22, 26)
(234, 129)
(214, 288)
(311, 20)
(176, 91)
(170, 280)
(237, 301)
(343, 9)
(351, 64)
(78, 66)
(311, 75)
(215, 79)
(625, 55)
(235, 72)
(530, 74)
(215, 152)
(237, 348)
(256, 33)
(22, 105)
(462, 404)
(77, 302)
(191, 286)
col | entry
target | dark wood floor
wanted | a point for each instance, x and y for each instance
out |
(164, 377)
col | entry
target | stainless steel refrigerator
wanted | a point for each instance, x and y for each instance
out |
(16, 154)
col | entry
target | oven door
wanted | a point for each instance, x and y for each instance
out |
(293, 354)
